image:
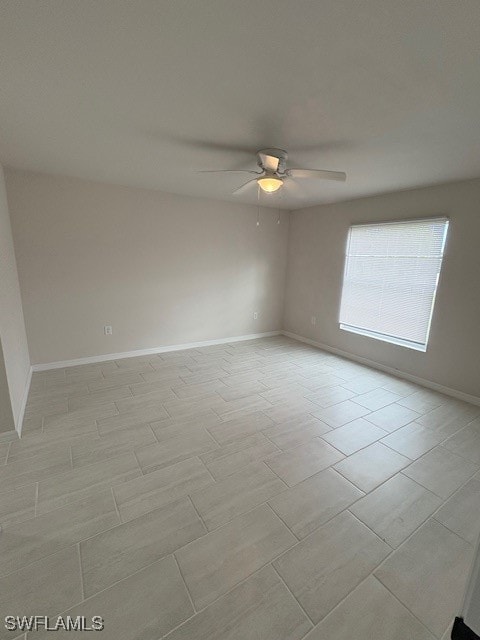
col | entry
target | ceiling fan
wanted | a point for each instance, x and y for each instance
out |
(274, 175)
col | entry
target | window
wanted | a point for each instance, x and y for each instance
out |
(390, 281)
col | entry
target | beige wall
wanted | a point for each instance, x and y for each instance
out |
(316, 251)
(12, 327)
(166, 270)
(161, 269)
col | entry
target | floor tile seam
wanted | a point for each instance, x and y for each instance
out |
(403, 454)
(194, 457)
(460, 455)
(452, 531)
(267, 503)
(78, 543)
(56, 431)
(334, 404)
(359, 395)
(98, 429)
(372, 575)
(280, 452)
(460, 488)
(347, 455)
(473, 420)
(199, 397)
(444, 501)
(380, 483)
(431, 490)
(148, 469)
(70, 543)
(365, 493)
(459, 416)
(431, 516)
(315, 624)
(100, 486)
(192, 384)
(229, 591)
(408, 608)
(199, 515)
(179, 625)
(324, 523)
(272, 404)
(140, 468)
(53, 475)
(114, 584)
(451, 435)
(120, 519)
(280, 577)
(216, 482)
(225, 524)
(379, 537)
(388, 432)
(184, 582)
(226, 444)
(92, 406)
(76, 468)
(264, 463)
(9, 446)
(396, 379)
(149, 425)
(82, 581)
(36, 500)
(70, 411)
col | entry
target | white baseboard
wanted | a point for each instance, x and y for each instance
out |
(454, 393)
(146, 352)
(21, 415)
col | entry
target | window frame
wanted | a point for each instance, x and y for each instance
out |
(382, 337)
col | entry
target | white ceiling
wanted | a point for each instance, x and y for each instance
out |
(146, 92)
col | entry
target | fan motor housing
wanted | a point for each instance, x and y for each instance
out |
(276, 153)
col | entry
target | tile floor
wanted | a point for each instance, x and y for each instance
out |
(260, 490)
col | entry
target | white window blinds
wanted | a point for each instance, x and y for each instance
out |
(390, 280)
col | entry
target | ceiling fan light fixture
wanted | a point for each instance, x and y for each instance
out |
(270, 184)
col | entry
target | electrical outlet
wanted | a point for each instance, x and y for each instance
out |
(255, 315)
(107, 329)
(313, 320)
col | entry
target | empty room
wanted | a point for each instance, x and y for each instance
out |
(239, 319)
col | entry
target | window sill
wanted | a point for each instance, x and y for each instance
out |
(383, 338)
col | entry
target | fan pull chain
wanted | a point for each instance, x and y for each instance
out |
(258, 205)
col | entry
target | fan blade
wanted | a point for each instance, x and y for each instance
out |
(319, 174)
(256, 173)
(245, 187)
(269, 163)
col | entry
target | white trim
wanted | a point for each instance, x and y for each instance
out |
(23, 406)
(62, 364)
(416, 346)
(454, 393)
(401, 221)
